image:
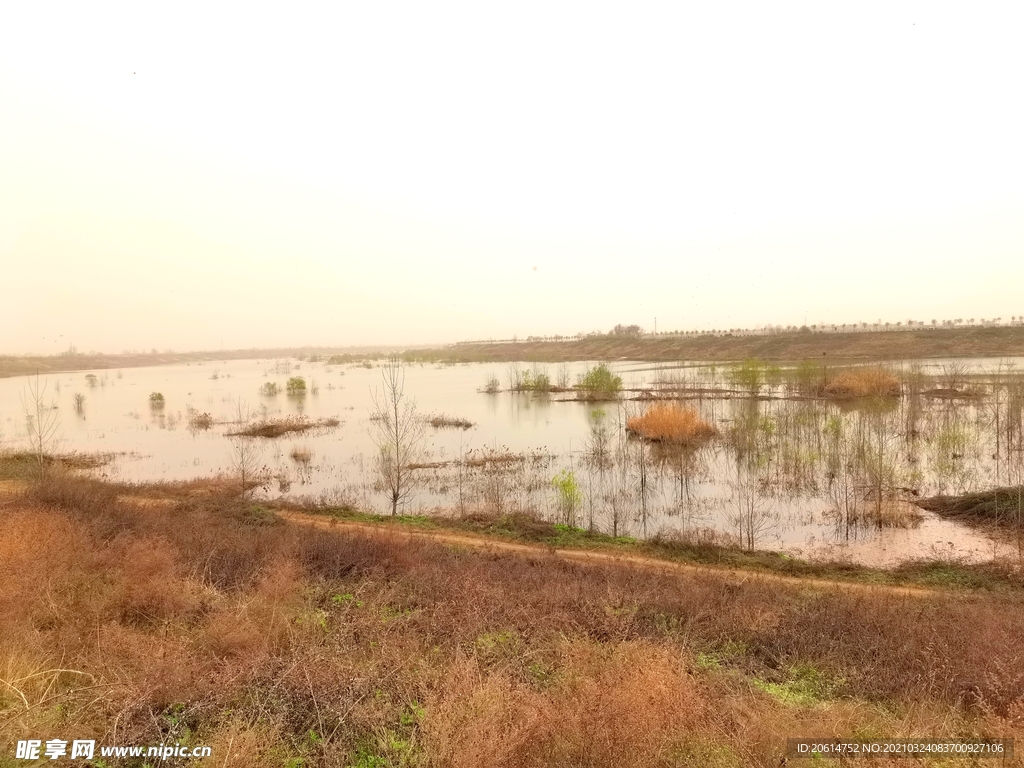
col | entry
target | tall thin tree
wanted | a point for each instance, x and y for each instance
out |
(42, 421)
(398, 433)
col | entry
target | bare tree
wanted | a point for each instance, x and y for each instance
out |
(42, 421)
(563, 376)
(461, 477)
(878, 456)
(398, 433)
(515, 377)
(246, 464)
(753, 515)
(954, 375)
(841, 469)
(243, 414)
(643, 482)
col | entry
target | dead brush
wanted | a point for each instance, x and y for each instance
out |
(864, 382)
(671, 423)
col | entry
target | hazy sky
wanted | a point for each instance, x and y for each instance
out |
(195, 175)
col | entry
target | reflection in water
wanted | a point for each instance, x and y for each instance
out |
(786, 470)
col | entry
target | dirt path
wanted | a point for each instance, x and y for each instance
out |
(734, 576)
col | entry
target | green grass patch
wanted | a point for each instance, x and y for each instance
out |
(726, 654)
(803, 686)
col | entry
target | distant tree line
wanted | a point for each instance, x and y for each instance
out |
(636, 331)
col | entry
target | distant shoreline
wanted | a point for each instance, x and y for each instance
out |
(999, 341)
(27, 365)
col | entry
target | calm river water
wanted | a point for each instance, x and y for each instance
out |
(777, 482)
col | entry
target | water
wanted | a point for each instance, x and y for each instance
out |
(770, 476)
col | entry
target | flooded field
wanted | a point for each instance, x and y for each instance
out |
(784, 464)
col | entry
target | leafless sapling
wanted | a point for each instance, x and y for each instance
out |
(397, 432)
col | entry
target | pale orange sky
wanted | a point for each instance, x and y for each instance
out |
(187, 178)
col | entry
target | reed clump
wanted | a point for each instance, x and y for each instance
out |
(441, 421)
(864, 382)
(272, 428)
(671, 423)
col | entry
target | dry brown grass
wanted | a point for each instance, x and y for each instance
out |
(864, 382)
(672, 423)
(201, 620)
(622, 705)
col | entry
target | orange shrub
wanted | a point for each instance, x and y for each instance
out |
(864, 382)
(672, 423)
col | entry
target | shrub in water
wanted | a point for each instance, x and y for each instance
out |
(670, 422)
(600, 382)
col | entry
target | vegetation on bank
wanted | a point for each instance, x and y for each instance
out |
(22, 466)
(998, 506)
